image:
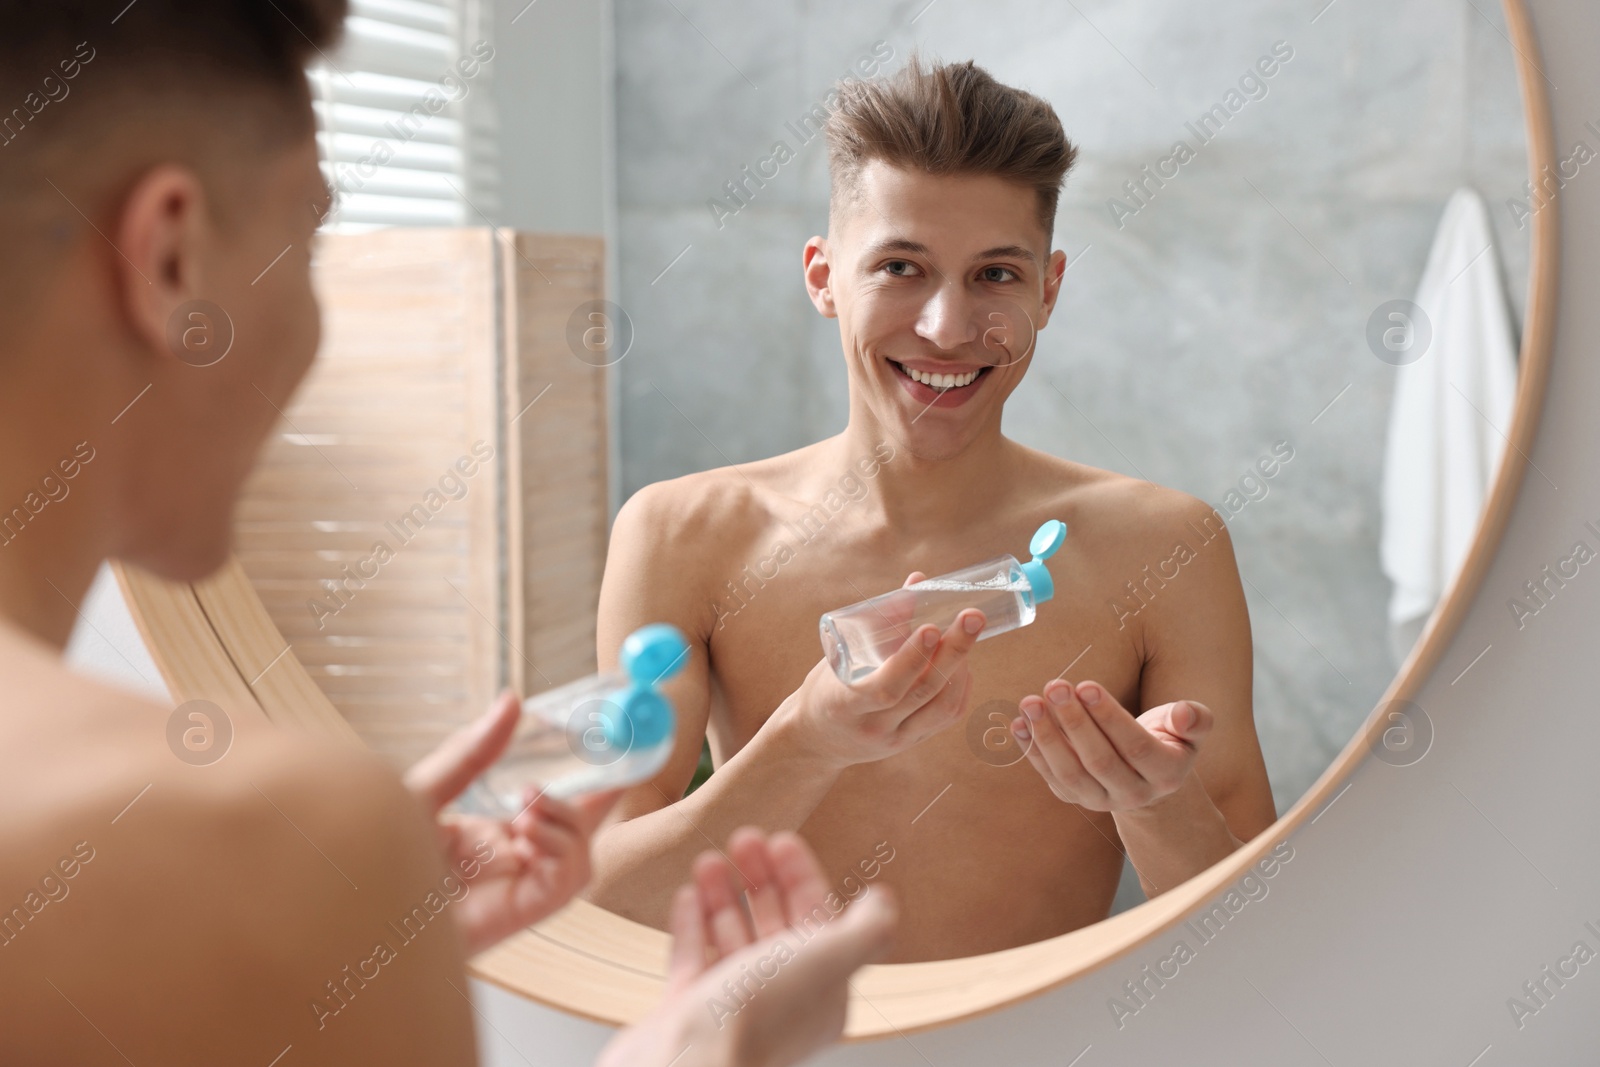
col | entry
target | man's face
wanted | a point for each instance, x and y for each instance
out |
(940, 285)
(212, 419)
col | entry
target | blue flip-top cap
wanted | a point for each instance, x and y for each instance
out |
(654, 653)
(1046, 540)
(650, 655)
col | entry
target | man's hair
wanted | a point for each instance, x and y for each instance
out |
(93, 91)
(948, 119)
(66, 64)
(262, 41)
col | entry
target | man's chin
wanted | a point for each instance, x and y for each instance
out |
(187, 559)
(927, 439)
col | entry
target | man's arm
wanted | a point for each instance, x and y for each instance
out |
(1185, 781)
(655, 572)
(654, 575)
(1198, 649)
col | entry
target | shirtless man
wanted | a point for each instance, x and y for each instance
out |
(938, 262)
(157, 911)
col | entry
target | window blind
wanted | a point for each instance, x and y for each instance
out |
(405, 111)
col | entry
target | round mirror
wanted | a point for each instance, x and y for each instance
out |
(1271, 361)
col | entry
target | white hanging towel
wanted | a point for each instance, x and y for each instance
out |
(1451, 407)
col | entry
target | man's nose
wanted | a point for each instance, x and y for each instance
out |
(947, 319)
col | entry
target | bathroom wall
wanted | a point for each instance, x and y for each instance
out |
(1224, 315)
(550, 102)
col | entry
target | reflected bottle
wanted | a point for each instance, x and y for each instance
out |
(601, 732)
(857, 639)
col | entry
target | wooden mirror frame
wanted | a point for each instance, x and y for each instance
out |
(599, 966)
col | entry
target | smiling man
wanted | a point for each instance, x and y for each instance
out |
(939, 269)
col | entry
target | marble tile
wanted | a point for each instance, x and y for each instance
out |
(713, 376)
(703, 90)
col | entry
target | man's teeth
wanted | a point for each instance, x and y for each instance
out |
(939, 381)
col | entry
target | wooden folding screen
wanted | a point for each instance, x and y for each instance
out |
(420, 534)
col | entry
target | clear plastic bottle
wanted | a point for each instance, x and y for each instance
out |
(601, 732)
(857, 639)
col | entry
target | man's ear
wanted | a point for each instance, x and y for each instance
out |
(161, 235)
(819, 275)
(1055, 267)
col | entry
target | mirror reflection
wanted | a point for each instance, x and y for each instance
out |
(1232, 293)
(1274, 356)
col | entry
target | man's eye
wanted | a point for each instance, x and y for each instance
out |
(998, 274)
(899, 267)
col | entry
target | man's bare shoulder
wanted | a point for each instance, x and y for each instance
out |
(54, 713)
(73, 749)
(58, 717)
(1121, 516)
(234, 890)
(1135, 509)
(718, 508)
(1112, 504)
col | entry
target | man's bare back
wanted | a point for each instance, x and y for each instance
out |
(137, 887)
(984, 856)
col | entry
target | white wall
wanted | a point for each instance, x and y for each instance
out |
(106, 642)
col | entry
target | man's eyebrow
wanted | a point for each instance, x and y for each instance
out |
(902, 244)
(897, 244)
(1007, 252)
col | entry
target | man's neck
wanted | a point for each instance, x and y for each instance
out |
(922, 497)
(41, 584)
(52, 526)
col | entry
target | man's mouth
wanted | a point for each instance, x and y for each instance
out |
(940, 381)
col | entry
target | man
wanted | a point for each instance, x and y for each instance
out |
(938, 266)
(280, 904)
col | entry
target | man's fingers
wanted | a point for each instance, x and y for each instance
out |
(687, 922)
(913, 578)
(1098, 756)
(958, 640)
(441, 775)
(1149, 755)
(493, 849)
(1187, 720)
(800, 879)
(952, 651)
(747, 847)
(544, 808)
(939, 713)
(1053, 756)
(719, 890)
(889, 683)
(554, 840)
(581, 816)
(861, 935)
(925, 661)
